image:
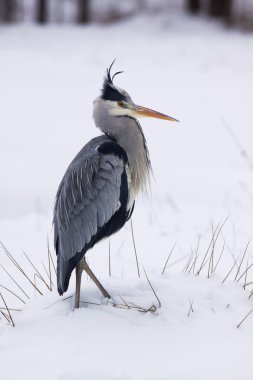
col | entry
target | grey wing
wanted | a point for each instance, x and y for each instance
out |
(87, 198)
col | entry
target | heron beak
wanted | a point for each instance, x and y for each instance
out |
(140, 111)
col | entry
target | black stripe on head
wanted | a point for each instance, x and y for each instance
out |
(109, 91)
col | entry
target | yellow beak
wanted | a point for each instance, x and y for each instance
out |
(147, 112)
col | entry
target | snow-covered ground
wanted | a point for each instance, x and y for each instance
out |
(202, 75)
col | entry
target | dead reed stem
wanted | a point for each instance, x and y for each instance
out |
(243, 256)
(191, 308)
(109, 258)
(246, 271)
(15, 282)
(135, 251)
(8, 310)
(49, 266)
(159, 302)
(36, 270)
(244, 154)
(13, 293)
(168, 258)
(222, 250)
(192, 267)
(246, 316)
(230, 270)
(15, 263)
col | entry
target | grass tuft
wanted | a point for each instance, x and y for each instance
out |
(193, 264)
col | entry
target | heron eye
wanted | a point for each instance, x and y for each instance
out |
(120, 104)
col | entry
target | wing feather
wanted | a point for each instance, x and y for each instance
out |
(87, 198)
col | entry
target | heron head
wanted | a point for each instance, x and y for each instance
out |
(119, 103)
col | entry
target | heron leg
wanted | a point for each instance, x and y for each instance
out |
(89, 272)
(79, 271)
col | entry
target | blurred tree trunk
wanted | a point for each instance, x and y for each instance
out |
(42, 11)
(221, 8)
(83, 11)
(193, 6)
(8, 10)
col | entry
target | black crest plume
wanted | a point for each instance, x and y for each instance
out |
(109, 91)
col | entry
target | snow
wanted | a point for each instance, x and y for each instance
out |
(103, 342)
(196, 72)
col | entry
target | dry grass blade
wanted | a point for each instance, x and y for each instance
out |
(120, 306)
(248, 284)
(9, 255)
(151, 309)
(216, 265)
(245, 272)
(60, 300)
(11, 309)
(36, 270)
(208, 248)
(159, 302)
(135, 251)
(191, 308)
(141, 309)
(11, 258)
(67, 298)
(91, 303)
(188, 263)
(13, 293)
(238, 144)
(132, 305)
(192, 267)
(39, 278)
(210, 265)
(8, 310)
(49, 266)
(168, 258)
(15, 282)
(5, 316)
(178, 260)
(49, 277)
(230, 270)
(121, 246)
(243, 256)
(246, 275)
(109, 258)
(124, 302)
(50, 255)
(246, 316)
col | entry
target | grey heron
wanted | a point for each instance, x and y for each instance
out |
(97, 193)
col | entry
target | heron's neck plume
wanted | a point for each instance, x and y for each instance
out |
(134, 143)
(128, 133)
